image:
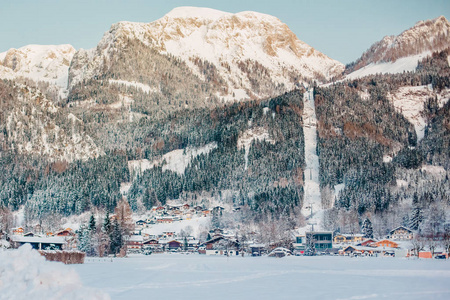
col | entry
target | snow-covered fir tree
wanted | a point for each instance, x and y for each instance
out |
(367, 229)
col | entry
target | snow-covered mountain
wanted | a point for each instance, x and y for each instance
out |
(48, 63)
(244, 55)
(31, 124)
(395, 54)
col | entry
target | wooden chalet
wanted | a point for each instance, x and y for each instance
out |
(221, 245)
(153, 245)
(174, 245)
(401, 233)
(164, 220)
(18, 231)
(135, 243)
(198, 208)
(359, 251)
(65, 232)
(367, 242)
(385, 244)
(348, 238)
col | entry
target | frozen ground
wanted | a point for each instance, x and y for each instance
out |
(178, 276)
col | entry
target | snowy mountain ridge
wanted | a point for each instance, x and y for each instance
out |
(35, 126)
(415, 43)
(235, 44)
(49, 63)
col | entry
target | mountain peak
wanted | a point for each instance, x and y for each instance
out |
(421, 39)
(49, 63)
(242, 50)
(191, 12)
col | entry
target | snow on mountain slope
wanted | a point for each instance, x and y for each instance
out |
(36, 126)
(145, 88)
(313, 200)
(409, 101)
(254, 134)
(176, 160)
(404, 64)
(244, 48)
(413, 44)
(49, 63)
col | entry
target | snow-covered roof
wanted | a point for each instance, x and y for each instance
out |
(400, 227)
(136, 238)
(36, 239)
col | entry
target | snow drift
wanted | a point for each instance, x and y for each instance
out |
(25, 274)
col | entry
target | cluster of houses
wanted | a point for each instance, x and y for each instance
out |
(219, 243)
(397, 243)
(38, 240)
(168, 214)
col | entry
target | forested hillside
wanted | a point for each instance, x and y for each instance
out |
(368, 146)
(272, 181)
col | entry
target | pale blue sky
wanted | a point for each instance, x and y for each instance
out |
(340, 29)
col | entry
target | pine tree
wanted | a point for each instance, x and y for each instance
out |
(416, 217)
(84, 240)
(92, 225)
(310, 249)
(116, 238)
(106, 224)
(367, 229)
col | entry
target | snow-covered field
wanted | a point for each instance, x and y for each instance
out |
(195, 276)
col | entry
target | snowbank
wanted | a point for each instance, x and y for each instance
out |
(25, 274)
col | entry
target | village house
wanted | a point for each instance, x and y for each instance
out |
(168, 234)
(345, 238)
(37, 228)
(134, 243)
(141, 224)
(360, 251)
(174, 245)
(152, 245)
(17, 231)
(367, 242)
(257, 249)
(322, 241)
(385, 244)
(65, 232)
(39, 243)
(198, 209)
(192, 244)
(221, 245)
(164, 220)
(401, 233)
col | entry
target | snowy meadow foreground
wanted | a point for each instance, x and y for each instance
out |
(194, 276)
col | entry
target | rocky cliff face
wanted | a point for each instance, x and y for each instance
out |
(46, 63)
